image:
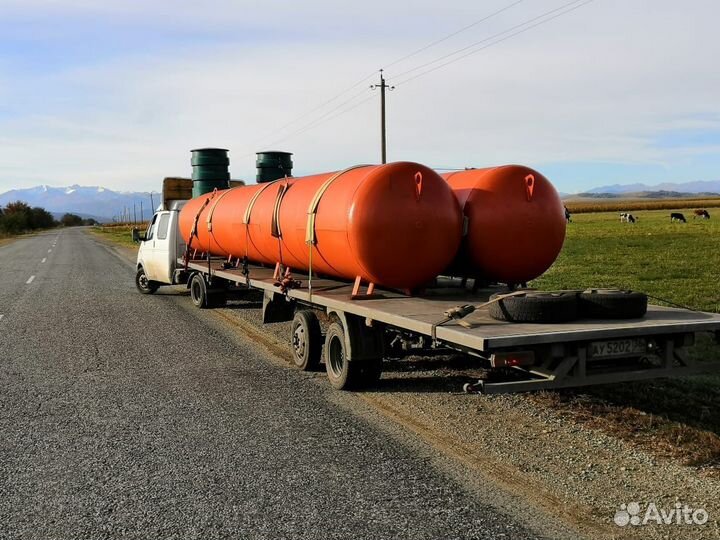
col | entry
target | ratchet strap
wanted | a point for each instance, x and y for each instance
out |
(193, 231)
(310, 237)
(212, 210)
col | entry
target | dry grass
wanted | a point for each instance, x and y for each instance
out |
(120, 233)
(584, 206)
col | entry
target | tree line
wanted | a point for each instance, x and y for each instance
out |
(18, 217)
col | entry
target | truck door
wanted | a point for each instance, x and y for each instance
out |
(157, 250)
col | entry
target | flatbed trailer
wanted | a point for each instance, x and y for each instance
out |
(540, 356)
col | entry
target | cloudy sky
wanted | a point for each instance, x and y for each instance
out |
(116, 92)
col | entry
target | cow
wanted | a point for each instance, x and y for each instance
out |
(701, 213)
(627, 217)
(677, 216)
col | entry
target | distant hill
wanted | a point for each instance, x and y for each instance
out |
(95, 202)
(694, 188)
(642, 195)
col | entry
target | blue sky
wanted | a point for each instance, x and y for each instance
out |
(116, 93)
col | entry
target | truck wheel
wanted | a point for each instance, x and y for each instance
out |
(198, 291)
(342, 373)
(612, 304)
(306, 339)
(143, 284)
(536, 307)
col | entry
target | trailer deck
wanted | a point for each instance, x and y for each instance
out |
(478, 331)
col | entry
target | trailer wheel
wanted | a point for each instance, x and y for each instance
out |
(198, 291)
(612, 304)
(342, 373)
(306, 339)
(143, 284)
(536, 307)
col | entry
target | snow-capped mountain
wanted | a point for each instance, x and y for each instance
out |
(92, 201)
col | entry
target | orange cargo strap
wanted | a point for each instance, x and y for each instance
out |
(212, 210)
(193, 231)
(310, 238)
(248, 210)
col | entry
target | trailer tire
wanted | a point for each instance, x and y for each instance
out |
(536, 307)
(198, 291)
(143, 284)
(306, 340)
(612, 304)
(342, 373)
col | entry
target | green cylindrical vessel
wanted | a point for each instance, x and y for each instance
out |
(272, 165)
(210, 170)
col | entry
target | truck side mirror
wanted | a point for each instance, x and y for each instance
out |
(136, 236)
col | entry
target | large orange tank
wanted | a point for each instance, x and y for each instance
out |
(396, 225)
(515, 223)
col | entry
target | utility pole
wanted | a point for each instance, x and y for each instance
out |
(383, 134)
(142, 217)
(152, 204)
(134, 213)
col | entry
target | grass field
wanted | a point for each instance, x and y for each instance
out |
(679, 262)
(120, 234)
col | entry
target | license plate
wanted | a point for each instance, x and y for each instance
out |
(617, 347)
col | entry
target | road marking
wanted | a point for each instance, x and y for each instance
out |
(44, 259)
(49, 250)
(1, 316)
(29, 281)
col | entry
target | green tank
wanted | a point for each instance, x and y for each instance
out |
(272, 165)
(209, 170)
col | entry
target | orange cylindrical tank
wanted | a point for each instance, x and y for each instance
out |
(515, 223)
(396, 225)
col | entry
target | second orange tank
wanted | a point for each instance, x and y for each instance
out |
(515, 223)
(396, 225)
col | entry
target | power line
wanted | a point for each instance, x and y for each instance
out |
(324, 119)
(315, 109)
(485, 40)
(461, 30)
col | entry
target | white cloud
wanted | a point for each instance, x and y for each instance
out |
(599, 84)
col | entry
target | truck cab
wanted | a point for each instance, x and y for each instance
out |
(160, 247)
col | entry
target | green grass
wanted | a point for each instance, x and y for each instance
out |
(120, 234)
(675, 261)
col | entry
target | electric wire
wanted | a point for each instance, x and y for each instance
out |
(323, 119)
(453, 34)
(544, 17)
(313, 110)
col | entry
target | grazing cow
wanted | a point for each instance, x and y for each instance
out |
(702, 214)
(627, 217)
(677, 216)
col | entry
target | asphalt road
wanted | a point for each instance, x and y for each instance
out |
(123, 415)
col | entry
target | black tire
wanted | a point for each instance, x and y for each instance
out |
(143, 284)
(198, 291)
(612, 304)
(342, 373)
(306, 340)
(536, 307)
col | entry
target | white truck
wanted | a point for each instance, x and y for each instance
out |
(361, 330)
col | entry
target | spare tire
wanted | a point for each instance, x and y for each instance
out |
(612, 304)
(536, 307)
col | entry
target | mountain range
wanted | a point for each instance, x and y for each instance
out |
(95, 202)
(104, 204)
(711, 186)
